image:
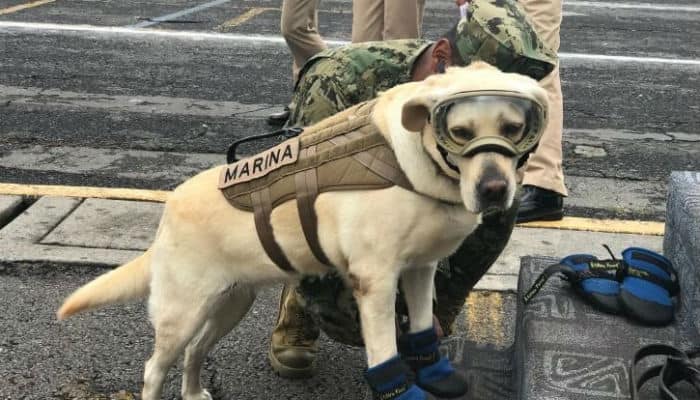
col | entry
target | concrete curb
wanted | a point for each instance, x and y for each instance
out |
(70, 230)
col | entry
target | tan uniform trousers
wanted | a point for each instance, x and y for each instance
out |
(299, 26)
(544, 167)
(374, 20)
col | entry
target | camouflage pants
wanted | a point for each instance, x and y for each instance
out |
(332, 304)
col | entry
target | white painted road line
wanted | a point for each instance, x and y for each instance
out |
(578, 5)
(629, 59)
(176, 15)
(193, 35)
(633, 6)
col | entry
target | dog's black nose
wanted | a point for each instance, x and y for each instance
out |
(493, 190)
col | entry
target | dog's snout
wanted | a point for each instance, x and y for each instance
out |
(492, 187)
(493, 190)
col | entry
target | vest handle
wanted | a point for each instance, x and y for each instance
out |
(289, 133)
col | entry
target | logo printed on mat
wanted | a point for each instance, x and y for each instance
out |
(260, 164)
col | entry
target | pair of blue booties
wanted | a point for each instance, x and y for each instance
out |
(640, 285)
(419, 368)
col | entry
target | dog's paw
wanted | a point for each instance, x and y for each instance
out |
(204, 395)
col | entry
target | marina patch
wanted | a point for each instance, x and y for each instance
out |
(260, 164)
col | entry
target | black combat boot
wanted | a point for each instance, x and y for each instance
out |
(279, 118)
(537, 204)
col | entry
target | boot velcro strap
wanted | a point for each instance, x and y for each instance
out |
(651, 266)
(419, 343)
(671, 286)
(391, 376)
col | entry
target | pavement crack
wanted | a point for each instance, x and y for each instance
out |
(252, 111)
(60, 221)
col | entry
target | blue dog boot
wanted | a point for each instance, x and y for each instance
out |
(434, 373)
(391, 380)
(649, 283)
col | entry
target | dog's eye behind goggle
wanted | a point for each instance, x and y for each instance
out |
(465, 142)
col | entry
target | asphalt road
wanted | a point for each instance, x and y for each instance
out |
(78, 97)
(100, 355)
(107, 106)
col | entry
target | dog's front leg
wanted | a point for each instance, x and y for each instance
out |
(374, 287)
(419, 347)
(375, 294)
(417, 284)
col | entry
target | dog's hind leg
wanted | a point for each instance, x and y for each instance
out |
(224, 315)
(177, 312)
(417, 284)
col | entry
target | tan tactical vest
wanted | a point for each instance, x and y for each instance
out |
(343, 152)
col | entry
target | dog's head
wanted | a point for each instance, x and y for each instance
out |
(476, 123)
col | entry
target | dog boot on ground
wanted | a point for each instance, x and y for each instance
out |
(294, 342)
(434, 373)
(392, 380)
(648, 286)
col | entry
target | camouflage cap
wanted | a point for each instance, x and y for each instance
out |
(499, 32)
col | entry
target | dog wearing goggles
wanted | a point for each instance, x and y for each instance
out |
(457, 137)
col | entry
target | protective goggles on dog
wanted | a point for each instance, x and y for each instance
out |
(461, 141)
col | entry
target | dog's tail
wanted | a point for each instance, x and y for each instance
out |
(128, 282)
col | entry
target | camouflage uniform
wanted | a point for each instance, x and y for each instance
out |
(336, 79)
(495, 31)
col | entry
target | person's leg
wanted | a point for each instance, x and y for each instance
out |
(367, 20)
(299, 25)
(402, 19)
(543, 177)
(294, 341)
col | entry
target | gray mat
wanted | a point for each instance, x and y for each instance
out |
(565, 349)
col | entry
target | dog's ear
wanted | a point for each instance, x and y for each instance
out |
(415, 113)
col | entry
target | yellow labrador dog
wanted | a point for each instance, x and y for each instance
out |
(457, 137)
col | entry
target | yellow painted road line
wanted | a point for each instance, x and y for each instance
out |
(84, 192)
(484, 314)
(568, 223)
(601, 225)
(20, 7)
(245, 17)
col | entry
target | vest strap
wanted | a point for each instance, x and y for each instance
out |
(307, 190)
(262, 209)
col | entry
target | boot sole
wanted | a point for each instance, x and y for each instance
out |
(545, 216)
(291, 372)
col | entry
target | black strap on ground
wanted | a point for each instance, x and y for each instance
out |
(565, 270)
(679, 366)
(288, 133)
